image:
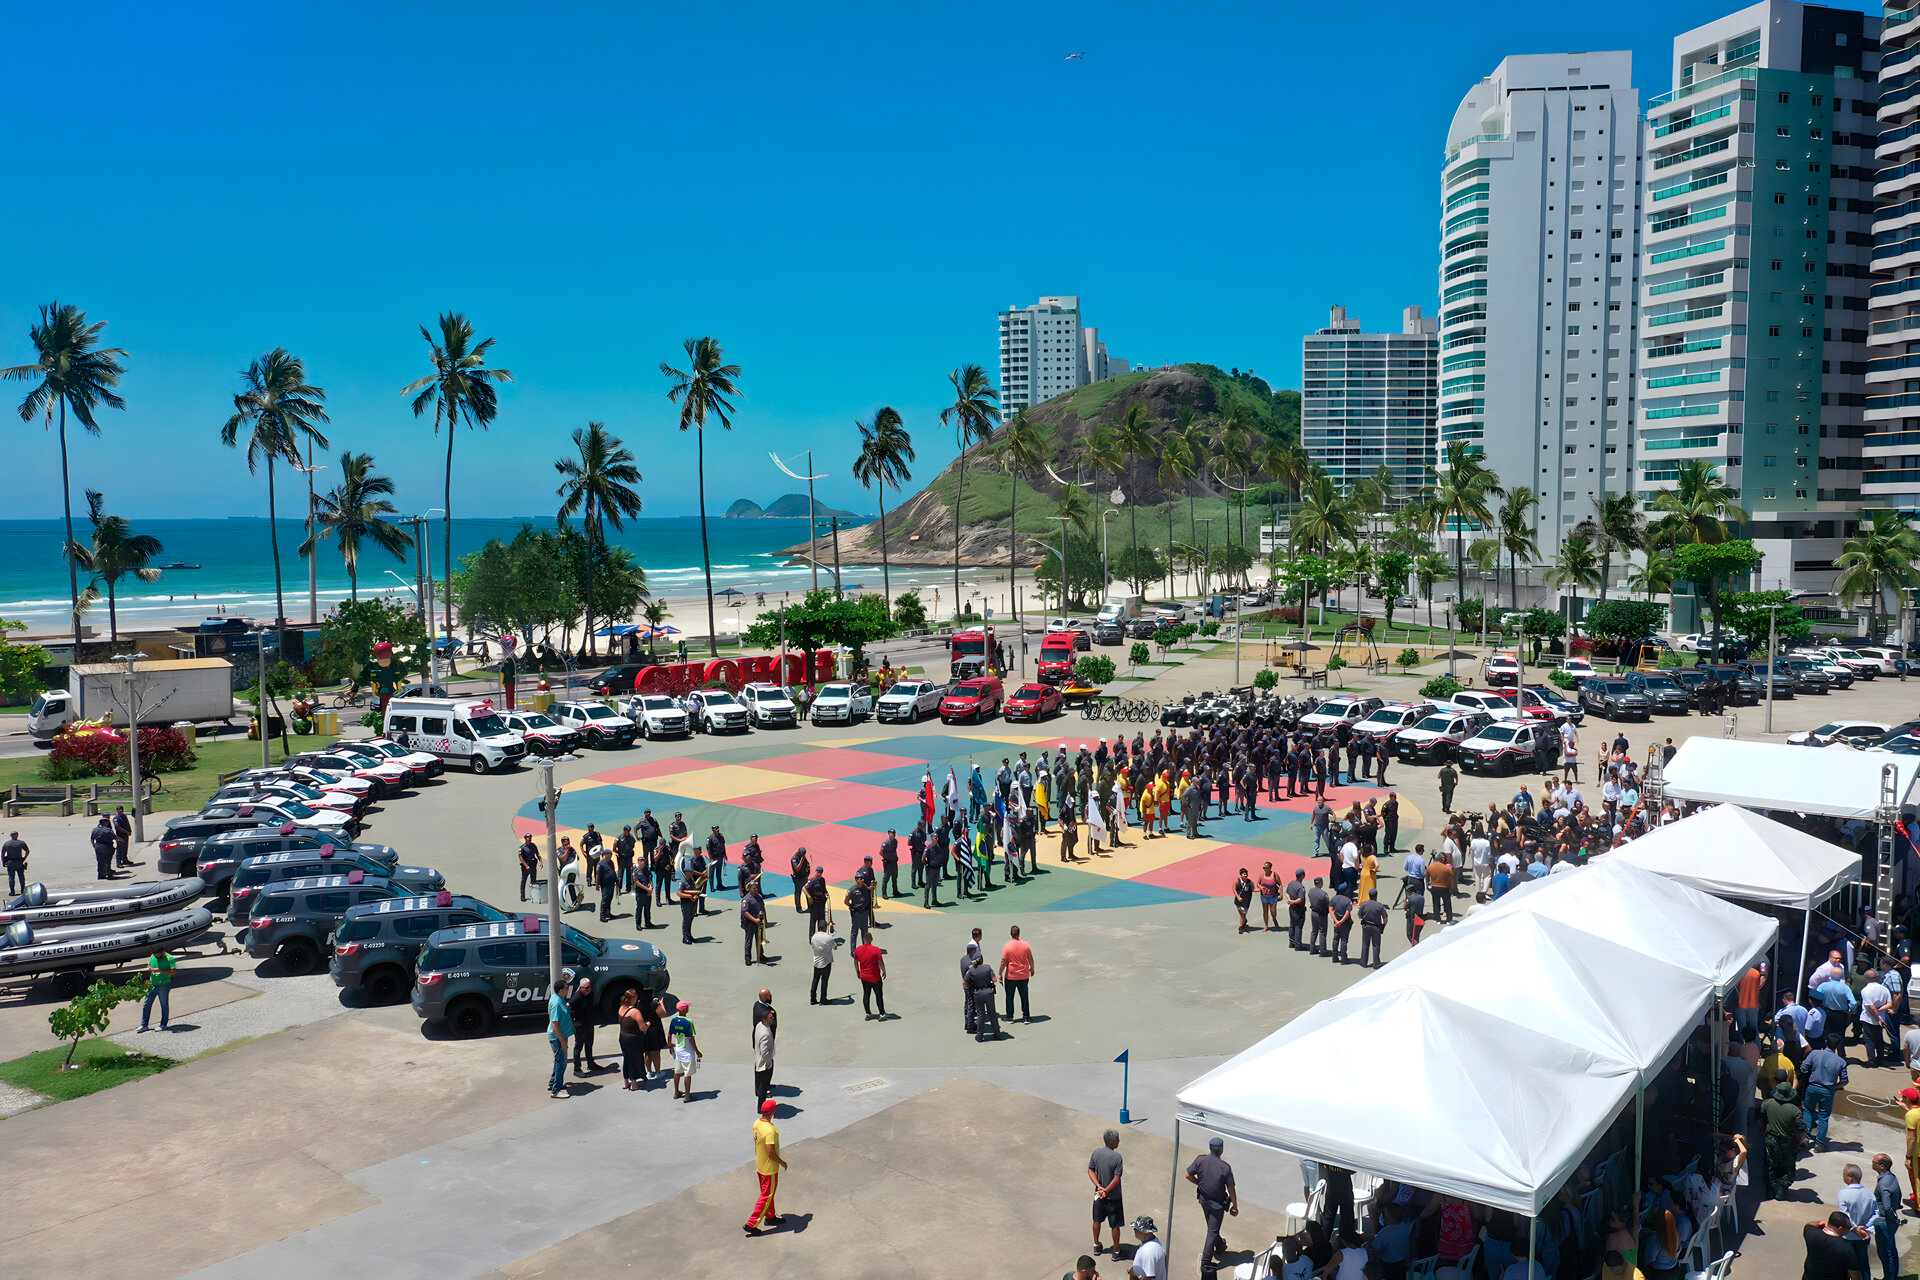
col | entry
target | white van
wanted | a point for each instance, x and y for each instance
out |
(455, 729)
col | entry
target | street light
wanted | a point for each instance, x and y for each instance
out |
(313, 545)
(1106, 572)
(1064, 522)
(549, 805)
(133, 740)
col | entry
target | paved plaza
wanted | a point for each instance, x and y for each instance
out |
(321, 1133)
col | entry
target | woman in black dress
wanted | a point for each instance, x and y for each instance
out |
(654, 1041)
(633, 1030)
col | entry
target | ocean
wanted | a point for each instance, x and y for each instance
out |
(236, 565)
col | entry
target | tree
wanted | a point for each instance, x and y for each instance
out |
(1655, 576)
(909, 611)
(277, 406)
(19, 663)
(1177, 466)
(348, 636)
(460, 386)
(1134, 437)
(1696, 509)
(820, 620)
(1391, 571)
(655, 614)
(1462, 495)
(1138, 566)
(1515, 534)
(1024, 446)
(1323, 520)
(1231, 560)
(518, 587)
(1094, 669)
(1101, 452)
(881, 464)
(1575, 566)
(1139, 655)
(76, 373)
(1429, 569)
(597, 486)
(1307, 577)
(972, 415)
(1881, 554)
(1615, 525)
(1749, 617)
(1084, 579)
(356, 512)
(115, 552)
(1623, 621)
(1194, 435)
(1709, 564)
(89, 1012)
(702, 390)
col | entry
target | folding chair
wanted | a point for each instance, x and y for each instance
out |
(1423, 1268)
(1299, 1214)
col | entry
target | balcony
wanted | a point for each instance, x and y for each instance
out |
(1890, 440)
(1466, 360)
(1682, 317)
(1465, 340)
(1898, 400)
(1461, 292)
(1454, 152)
(1478, 191)
(1704, 149)
(1693, 121)
(1891, 18)
(1685, 411)
(1463, 315)
(1680, 349)
(1691, 282)
(1464, 269)
(1687, 220)
(1899, 247)
(1688, 251)
(1683, 442)
(1883, 365)
(1892, 288)
(1465, 246)
(1683, 380)
(1701, 86)
(1899, 324)
(1698, 184)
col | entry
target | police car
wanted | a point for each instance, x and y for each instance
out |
(596, 724)
(297, 917)
(220, 855)
(1387, 722)
(542, 735)
(1352, 708)
(255, 874)
(476, 974)
(377, 942)
(1509, 746)
(1439, 735)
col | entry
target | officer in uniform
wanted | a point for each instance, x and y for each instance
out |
(1212, 1179)
(986, 1013)
(890, 865)
(917, 855)
(1449, 779)
(717, 858)
(1296, 892)
(1342, 924)
(968, 958)
(1373, 927)
(936, 867)
(102, 838)
(1318, 902)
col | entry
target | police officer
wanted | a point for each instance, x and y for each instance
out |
(122, 834)
(717, 858)
(623, 856)
(817, 902)
(529, 865)
(1319, 901)
(936, 867)
(650, 840)
(986, 1013)
(890, 866)
(917, 855)
(102, 838)
(800, 869)
(607, 876)
(1373, 927)
(1342, 917)
(1449, 779)
(642, 898)
(1212, 1179)
(968, 958)
(753, 920)
(860, 906)
(1296, 892)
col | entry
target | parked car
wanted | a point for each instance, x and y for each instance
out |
(1107, 633)
(218, 859)
(842, 703)
(243, 790)
(659, 716)
(472, 975)
(1057, 656)
(1891, 662)
(1502, 670)
(1662, 692)
(769, 706)
(1614, 698)
(1839, 674)
(974, 699)
(541, 733)
(281, 810)
(1388, 721)
(597, 724)
(1439, 735)
(1859, 733)
(1785, 683)
(1055, 625)
(616, 680)
(1556, 703)
(1351, 707)
(1746, 691)
(717, 711)
(908, 700)
(1858, 663)
(1033, 702)
(296, 918)
(376, 944)
(1509, 747)
(256, 874)
(1808, 676)
(1142, 628)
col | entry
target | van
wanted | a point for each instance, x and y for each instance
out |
(454, 729)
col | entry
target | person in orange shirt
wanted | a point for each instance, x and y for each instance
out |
(1746, 1015)
(1016, 970)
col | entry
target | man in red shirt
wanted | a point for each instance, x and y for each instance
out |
(1016, 968)
(870, 962)
(1746, 1016)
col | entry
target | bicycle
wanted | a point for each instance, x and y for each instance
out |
(351, 696)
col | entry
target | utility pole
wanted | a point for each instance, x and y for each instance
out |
(1773, 620)
(133, 745)
(833, 522)
(549, 806)
(813, 523)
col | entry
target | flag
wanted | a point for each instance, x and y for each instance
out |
(926, 797)
(1123, 1056)
(952, 793)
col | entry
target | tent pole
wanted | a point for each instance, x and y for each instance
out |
(1173, 1185)
(1639, 1152)
(1806, 936)
(1533, 1249)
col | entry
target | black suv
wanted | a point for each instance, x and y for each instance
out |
(1784, 682)
(220, 856)
(297, 918)
(1614, 698)
(1807, 675)
(1660, 689)
(477, 973)
(1142, 629)
(256, 874)
(1107, 633)
(616, 679)
(377, 943)
(181, 842)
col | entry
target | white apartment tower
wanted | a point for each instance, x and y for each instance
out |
(1758, 246)
(1890, 478)
(1045, 352)
(1539, 228)
(1367, 399)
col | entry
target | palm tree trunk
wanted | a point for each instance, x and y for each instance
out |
(279, 598)
(959, 495)
(886, 583)
(446, 543)
(113, 612)
(66, 501)
(591, 530)
(1606, 571)
(706, 559)
(353, 581)
(1133, 535)
(1170, 506)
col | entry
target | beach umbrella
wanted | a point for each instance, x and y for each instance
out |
(665, 629)
(1299, 646)
(729, 591)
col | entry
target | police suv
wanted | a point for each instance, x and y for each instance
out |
(257, 874)
(377, 943)
(297, 917)
(478, 973)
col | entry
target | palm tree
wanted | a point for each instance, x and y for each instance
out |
(278, 406)
(1696, 508)
(1516, 536)
(656, 614)
(1324, 518)
(885, 451)
(355, 512)
(1429, 568)
(1231, 442)
(1197, 437)
(1135, 440)
(972, 415)
(76, 373)
(1176, 468)
(701, 391)
(1615, 525)
(1575, 566)
(1655, 576)
(598, 487)
(115, 552)
(1881, 554)
(460, 386)
(1461, 497)
(1023, 447)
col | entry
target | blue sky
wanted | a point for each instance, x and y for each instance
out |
(843, 195)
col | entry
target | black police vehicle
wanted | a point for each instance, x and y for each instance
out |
(297, 918)
(256, 874)
(376, 944)
(476, 974)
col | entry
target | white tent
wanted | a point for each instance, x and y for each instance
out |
(1732, 852)
(1421, 1088)
(1772, 775)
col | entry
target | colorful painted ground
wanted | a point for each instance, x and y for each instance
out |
(840, 800)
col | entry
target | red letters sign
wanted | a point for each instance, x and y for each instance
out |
(766, 668)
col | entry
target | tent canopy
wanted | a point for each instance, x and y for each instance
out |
(1772, 775)
(1486, 1062)
(1732, 852)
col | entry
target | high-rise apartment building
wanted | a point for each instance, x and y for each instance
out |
(1042, 352)
(1539, 224)
(1757, 248)
(1890, 449)
(1367, 400)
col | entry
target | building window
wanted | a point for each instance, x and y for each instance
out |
(1779, 198)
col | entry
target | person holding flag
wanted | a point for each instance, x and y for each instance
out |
(976, 795)
(926, 797)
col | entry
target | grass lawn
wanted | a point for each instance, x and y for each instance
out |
(102, 1064)
(189, 789)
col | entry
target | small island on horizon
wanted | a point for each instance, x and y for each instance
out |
(789, 506)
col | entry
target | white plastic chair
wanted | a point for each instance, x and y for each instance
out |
(1262, 1264)
(1717, 1271)
(1725, 1212)
(1463, 1269)
(1696, 1247)
(1299, 1214)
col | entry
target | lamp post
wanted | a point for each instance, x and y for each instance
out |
(1773, 619)
(133, 740)
(1064, 522)
(1205, 554)
(549, 806)
(313, 546)
(1106, 573)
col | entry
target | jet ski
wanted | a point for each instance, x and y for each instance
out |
(70, 952)
(44, 908)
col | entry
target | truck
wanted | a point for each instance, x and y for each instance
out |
(971, 652)
(1121, 607)
(192, 689)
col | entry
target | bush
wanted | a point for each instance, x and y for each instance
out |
(371, 720)
(1563, 679)
(1669, 660)
(909, 610)
(1580, 644)
(1139, 655)
(1094, 669)
(1440, 687)
(1409, 658)
(93, 752)
(1265, 678)
(64, 770)
(1209, 628)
